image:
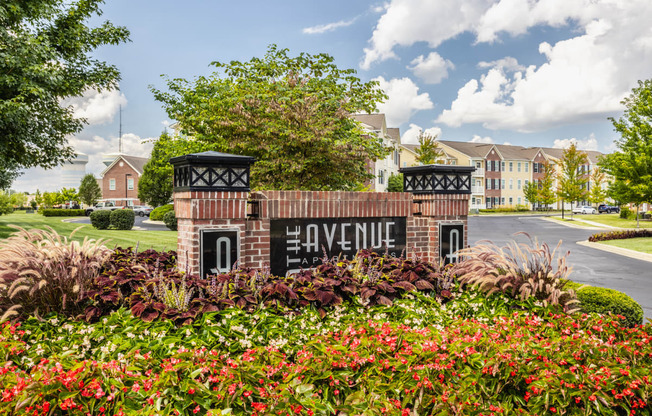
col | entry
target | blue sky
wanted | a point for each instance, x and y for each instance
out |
(524, 72)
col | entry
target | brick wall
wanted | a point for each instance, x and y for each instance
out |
(198, 210)
(119, 173)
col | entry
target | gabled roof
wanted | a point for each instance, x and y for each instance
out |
(136, 163)
(474, 150)
(394, 133)
(557, 153)
(410, 147)
(510, 152)
(375, 121)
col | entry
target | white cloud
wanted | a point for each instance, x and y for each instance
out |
(407, 22)
(590, 143)
(507, 63)
(97, 107)
(431, 69)
(411, 135)
(404, 100)
(480, 139)
(329, 27)
(583, 78)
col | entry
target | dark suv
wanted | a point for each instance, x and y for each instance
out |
(607, 208)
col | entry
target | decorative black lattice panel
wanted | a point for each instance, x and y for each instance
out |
(437, 179)
(211, 171)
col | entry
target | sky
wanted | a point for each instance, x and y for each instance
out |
(521, 72)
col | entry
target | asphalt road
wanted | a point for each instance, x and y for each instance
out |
(590, 266)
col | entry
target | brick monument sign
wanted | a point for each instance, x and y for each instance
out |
(221, 222)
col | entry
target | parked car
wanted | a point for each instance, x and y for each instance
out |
(141, 210)
(101, 206)
(607, 208)
(584, 209)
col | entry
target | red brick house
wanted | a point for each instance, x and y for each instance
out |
(120, 180)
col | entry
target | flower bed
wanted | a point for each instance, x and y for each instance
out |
(518, 363)
(619, 235)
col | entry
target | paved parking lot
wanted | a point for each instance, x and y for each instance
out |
(590, 266)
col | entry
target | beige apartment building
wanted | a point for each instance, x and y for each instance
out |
(502, 171)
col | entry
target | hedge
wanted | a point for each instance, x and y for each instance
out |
(101, 219)
(56, 212)
(170, 220)
(604, 300)
(158, 213)
(122, 219)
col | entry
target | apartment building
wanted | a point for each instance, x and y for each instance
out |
(503, 171)
(376, 124)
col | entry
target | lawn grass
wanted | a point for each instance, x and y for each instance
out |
(158, 240)
(642, 244)
(613, 220)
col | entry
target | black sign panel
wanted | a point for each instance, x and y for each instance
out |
(451, 239)
(219, 250)
(300, 243)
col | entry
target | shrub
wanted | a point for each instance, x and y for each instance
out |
(395, 183)
(518, 270)
(101, 219)
(627, 214)
(620, 235)
(158, 213)
(51, 212)
(603, 300)
(170, 220)
(122, 219)
(41, 272)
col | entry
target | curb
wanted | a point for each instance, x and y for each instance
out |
(618, 250)
(586, 224)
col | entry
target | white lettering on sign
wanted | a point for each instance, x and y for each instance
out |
(223, 249)
(454, 237)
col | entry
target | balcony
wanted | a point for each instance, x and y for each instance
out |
(477, 190)
(478, 173)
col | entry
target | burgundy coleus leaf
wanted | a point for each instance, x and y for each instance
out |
(149, 315)
(407, 286)
(138, 308)
(384, 301)
(310, 294)
(210, 307)
(366, 293)
(386, 287)
(112, 296)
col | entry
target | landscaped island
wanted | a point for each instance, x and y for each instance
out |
(113, 332)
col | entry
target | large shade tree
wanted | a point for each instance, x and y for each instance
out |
(631, 165)
(291, 113)
(45, 58)
(428, 152)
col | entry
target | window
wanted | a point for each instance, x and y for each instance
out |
(511, 166)
(535, 167)
(130, 184)
(511, 184)
(511, 201)
(397, 162)
(381, 176)
(518, 183)
(478, 165)
(527, 166)
(502, 201)
(453, 162)
(111, 184)
(404, 164)
(526, 182)
(502, 168)
(518, 167)
(488, 183)
(502, 184)
(519, 200)
(488, 202)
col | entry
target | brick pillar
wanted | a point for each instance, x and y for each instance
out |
(206, 210)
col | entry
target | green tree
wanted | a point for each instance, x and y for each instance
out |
(49, 199)
(18, 199)
(291, 113)
(547, 195)
(89, 190)
(597, 193)
(631, 164)
(45, 48)
(155, 185)
(395, 183)
(428, 152)
(572, 180)
(531, 192)
(6, 207)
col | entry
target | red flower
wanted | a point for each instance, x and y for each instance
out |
(191, 391)
(196, 409)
